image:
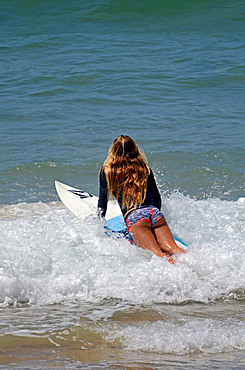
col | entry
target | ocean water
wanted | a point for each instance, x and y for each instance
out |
(73, 76)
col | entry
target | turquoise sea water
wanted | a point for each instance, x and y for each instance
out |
(73, 76)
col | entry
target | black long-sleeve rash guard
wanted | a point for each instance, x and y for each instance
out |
(152, 198)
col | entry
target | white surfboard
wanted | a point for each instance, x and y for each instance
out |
(82, 204)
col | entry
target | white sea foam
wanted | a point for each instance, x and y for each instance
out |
(47, 256)
(181, 336)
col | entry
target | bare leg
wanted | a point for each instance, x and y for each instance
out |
(144, 237)
(165, 238)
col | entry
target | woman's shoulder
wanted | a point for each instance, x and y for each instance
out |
(102, 174)
(151, 177)
(151, 172)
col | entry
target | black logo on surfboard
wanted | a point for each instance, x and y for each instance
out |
(81, 194)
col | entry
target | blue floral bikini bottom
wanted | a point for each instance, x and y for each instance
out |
(150, 214)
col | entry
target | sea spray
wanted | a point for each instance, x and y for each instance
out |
(48, 256)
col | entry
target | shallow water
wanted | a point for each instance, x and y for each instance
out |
(73, 77)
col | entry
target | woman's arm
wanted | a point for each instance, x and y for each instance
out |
(154, 191)
(103, 191)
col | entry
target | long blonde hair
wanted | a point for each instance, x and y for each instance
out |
(126, 172)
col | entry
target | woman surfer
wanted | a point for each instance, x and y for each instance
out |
(126, 175)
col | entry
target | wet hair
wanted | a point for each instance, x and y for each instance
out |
(126, 172)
